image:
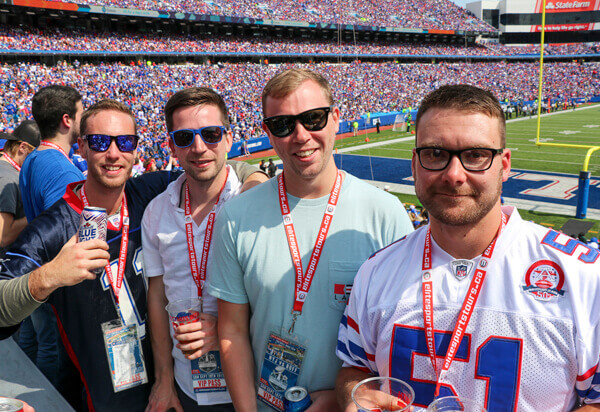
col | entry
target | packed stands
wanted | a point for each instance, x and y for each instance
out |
(20, 39)
(426, 14)
(359, 87)
(549, 49)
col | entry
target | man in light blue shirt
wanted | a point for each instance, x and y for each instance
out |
(286, 253)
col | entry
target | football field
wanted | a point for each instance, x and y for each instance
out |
(581, 127)
(544, 180)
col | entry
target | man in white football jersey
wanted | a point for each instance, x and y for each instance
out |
(479, 303)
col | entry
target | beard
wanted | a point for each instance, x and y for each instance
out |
(470, 208)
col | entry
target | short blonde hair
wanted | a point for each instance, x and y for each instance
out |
(287, 81)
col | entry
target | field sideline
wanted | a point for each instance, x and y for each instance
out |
(581, 126)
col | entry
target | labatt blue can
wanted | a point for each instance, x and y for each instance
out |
(296, 399)
(92, 224)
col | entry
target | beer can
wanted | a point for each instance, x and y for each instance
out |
(11, 405)
(296, 399)
(92, 224)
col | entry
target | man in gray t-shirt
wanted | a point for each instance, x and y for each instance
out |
(17, 147)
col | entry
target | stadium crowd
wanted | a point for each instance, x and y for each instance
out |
(19, 39)
(430, 14)
(27, 39)
(549, 49)
(359, 88)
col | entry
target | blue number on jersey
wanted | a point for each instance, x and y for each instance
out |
(498, 362)
(590, 255)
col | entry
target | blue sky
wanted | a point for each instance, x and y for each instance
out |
(461, 2)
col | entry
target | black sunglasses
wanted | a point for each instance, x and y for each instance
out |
(209, 134)
(101, 142)
(312, 120)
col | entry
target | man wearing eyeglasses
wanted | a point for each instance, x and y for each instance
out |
(177, 232)
(102, 317)
(285, 254)
(480, 303)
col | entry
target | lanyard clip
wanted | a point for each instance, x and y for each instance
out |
(295, 314)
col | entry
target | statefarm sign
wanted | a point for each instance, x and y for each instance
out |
(566, 6)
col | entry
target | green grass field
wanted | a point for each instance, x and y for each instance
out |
(570, 127)
(581, 127)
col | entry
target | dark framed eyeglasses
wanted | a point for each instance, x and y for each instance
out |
(312, 120)
(476, 159)
(101, 142)
(185, 137)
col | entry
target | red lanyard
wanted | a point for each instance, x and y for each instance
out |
(303, 281)
(54, 146)
(199, 275)
(466, 310)
(12, 162)
(116, 286)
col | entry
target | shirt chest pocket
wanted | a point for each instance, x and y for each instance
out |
(341, 277)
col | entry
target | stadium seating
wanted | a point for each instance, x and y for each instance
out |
(433, 14)
(359, 88)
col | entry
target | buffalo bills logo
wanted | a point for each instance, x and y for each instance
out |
(544, 280)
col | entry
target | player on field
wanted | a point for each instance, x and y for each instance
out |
(479, 303)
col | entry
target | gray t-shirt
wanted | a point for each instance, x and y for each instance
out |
(10, 196)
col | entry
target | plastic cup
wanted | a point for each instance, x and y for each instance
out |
(455, 404)
(184, 311)
(382, 394)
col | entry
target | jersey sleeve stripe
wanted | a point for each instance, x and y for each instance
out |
(352, 323)
(591, 394)
(24, 257)
(587, 374)
(341, 347)
(367, 370)
(358, 351)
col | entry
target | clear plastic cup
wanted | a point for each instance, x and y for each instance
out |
(455, 404)
(184, 311)
(382, 394)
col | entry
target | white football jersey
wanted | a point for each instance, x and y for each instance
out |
(533, 342)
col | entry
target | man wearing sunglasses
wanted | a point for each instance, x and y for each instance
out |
(177, 230)
(285, 254)
(102, 317)
(479, 302)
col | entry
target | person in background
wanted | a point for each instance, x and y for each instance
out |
(18, 145)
